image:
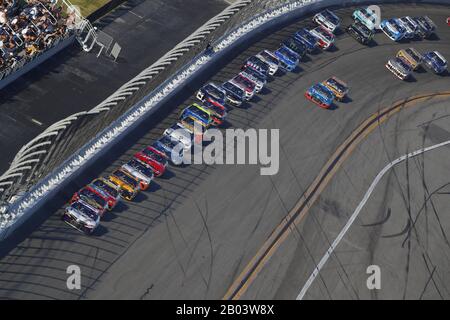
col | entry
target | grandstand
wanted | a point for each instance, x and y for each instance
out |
(29, 28)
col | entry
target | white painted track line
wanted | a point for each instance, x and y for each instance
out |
(355, 214)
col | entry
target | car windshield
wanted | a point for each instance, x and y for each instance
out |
(92, 195)
(324, 92)
(84, 210)
(126, 178)
(109, 189)
(231, 87)
(437, 59)
(214, 92)
(335, 84)
(268, 57)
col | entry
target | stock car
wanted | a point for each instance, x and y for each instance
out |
(304, 36)
(435, 61)
(448, 21)
(218, 112)
(426, 26)
(360, 33)
(412, 56)
(140, 171)
(320, 95)
(252, 75)
(129, 185)
(195, 127)
(211, 92)
(337, 86)
(150, 156)
(288, 58)
(325, 38)
(393, 29)
(110, 190)
(410, 26)
(366, 16)
(399, 67)
(180, 133)
(198, 112)
(82, 217)
(296, 46)
(234, 95)
(270, 59)
(172, 150)
(328, 20)
(248, 86)
(259, 65)
(93, 198)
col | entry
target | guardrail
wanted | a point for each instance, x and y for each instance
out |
(38, 194)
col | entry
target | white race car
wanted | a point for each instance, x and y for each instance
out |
(328, 20)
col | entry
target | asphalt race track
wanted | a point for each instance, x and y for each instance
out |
(74, 81)
(199, 226)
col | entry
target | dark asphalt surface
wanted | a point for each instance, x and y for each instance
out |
(191, 235)
(74, 81)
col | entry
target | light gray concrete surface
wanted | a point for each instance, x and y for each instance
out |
(197, 228)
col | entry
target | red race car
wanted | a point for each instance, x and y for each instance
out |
(154, 159)
(448, 21)
(93, 198)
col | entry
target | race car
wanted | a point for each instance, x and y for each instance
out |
(247, 85)
(150, 156)
(366, 16)
(399, 67)
(360, 32)
(448, 21)
(435, 61)
(270, 59)
(140, 171)
(82, 217)
(258, 64)
(325, 38)
(393, 29)
(129, 185)
(180, 133)
(338, 87)
(93, 198)
(110, 191)
(212, 93)
(296, 46)
(412, 56)
(328, 20)
(410, 26)
(254, 76)
(172, 150)
(309, 41)
(195, 127)
(288, 58)
(426, 26)
(234, 94)
(200, 113)
(320, 95)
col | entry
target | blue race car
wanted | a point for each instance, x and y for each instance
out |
(393, 29)
(173, 150)
(307, 39)
(288, 58)
(320, 95)
(435, 61)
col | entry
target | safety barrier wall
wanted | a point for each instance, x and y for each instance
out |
(108, 137)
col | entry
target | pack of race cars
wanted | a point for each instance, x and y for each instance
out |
(88, 205)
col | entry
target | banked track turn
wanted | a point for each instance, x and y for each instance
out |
(140, 241)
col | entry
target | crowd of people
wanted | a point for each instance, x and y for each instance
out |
(28, 27)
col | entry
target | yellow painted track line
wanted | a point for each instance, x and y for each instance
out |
(296, 214)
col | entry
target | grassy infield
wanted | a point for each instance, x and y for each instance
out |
(88, 6)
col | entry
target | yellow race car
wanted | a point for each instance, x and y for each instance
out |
(411, 56)
(129, 185)
(337, 86)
